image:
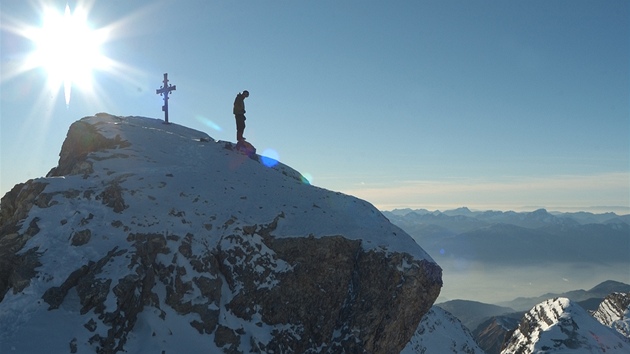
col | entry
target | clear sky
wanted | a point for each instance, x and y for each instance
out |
(505, 105)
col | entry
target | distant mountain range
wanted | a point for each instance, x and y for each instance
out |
(496, 257)
(473, 313)
(589, 299)
(512, 217)
(513, 238)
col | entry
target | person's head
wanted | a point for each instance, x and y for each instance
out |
(245, 93)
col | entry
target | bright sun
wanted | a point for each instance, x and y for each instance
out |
(68, 49)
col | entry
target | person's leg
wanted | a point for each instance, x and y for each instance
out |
(240, 128)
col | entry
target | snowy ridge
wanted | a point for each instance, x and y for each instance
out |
(441, 332)
(561, 326)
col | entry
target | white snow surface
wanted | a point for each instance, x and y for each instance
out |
(174, 181)
(204, 176)
(562, 326)
(441, 332)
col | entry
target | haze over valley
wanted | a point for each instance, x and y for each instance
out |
(494, 256)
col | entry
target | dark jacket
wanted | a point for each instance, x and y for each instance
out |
(239, 104)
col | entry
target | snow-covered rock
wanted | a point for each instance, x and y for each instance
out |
(441, 332)
(561, 326)
(155, 238)
(614, 312)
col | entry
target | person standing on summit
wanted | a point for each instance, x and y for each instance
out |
(239, 114)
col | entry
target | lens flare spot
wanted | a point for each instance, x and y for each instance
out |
(307, 178)
(269, 157)
(209, 123)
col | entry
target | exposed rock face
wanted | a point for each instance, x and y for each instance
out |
(17, 268)
(559, 326)
(614, 312)
(159, 240)
(494, 332)
(83, 138)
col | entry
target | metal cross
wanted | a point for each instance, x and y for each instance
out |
(165, 90)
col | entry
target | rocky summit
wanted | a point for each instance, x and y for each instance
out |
(560, 325)
(155, 238)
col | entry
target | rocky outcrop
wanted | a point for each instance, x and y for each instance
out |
(82, 139)
(614, 312)
(337, 274)
(136, 250)
(16, 268)
(317, 293)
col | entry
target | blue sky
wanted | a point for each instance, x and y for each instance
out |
(507, 105)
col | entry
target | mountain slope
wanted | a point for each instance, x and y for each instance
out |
(441, 332)
(154, 238)
(494, 332)
(614, 312)
(559, 326)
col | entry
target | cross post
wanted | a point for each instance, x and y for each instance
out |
(164, 91)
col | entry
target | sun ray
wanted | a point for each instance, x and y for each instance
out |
(68, 49)
(65, 49)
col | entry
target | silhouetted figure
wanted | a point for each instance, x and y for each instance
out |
(239, 114)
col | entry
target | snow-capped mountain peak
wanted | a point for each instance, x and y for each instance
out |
(155, 238)
(560, 326)
(441, 332)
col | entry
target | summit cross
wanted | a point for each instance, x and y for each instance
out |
(165, 90)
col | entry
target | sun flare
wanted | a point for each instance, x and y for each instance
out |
(68, 49)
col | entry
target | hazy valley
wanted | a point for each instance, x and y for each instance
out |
(495, 257)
